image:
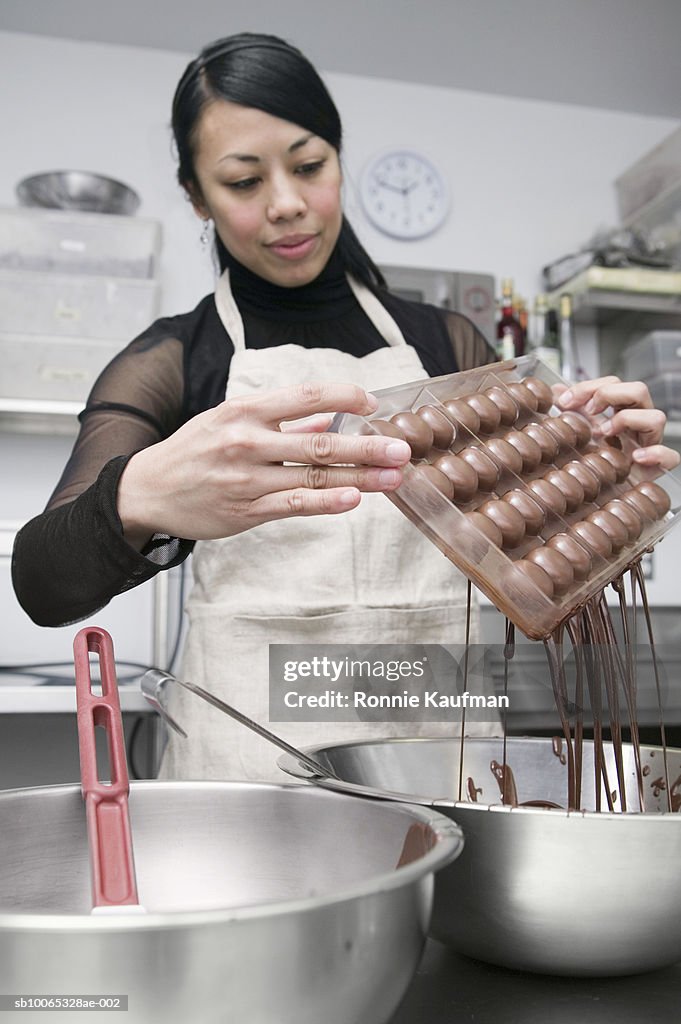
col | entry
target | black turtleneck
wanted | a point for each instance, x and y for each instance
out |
(72, 559)
(322, 314)
(327, 297)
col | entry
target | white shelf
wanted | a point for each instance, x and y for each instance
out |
(36, 699)
(601, 295)
(39, 416)
(39, 406)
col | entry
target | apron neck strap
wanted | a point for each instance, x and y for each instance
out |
(377, 313)
(229, 314)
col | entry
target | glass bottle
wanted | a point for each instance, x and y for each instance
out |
(544, 333)
(522, 316)
(509, 331)
(569, 363)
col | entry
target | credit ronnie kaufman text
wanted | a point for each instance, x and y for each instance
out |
(381, 682)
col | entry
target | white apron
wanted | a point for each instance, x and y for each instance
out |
(361, 577)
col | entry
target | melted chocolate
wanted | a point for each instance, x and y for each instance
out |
(506, 782)
(472, 790)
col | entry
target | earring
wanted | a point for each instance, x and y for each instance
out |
(204, 238)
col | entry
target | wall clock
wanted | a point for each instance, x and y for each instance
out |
(403, 194)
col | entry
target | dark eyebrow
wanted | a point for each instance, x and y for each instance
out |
(248, 158)
(301, 142)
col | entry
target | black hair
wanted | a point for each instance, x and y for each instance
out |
(267, 73)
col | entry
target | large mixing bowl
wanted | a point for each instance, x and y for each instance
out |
(78, 190)
(265, 904)
(536, 889)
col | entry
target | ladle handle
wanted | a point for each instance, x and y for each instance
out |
(108, 820)
(314, 766)
(154, 678)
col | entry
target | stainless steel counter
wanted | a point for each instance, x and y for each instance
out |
(450, 989)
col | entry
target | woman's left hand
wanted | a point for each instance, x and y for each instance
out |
(633, 410)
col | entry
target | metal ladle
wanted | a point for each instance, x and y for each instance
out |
(152, 683)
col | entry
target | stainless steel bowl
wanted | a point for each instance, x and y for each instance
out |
(578, 893)
(78, 190)
(264, 903)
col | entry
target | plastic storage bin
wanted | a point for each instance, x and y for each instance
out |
(655, 173)
(51, 369)
(78, 243)
(655, 353)
(71, 306)
(520, 507)
(665, 391)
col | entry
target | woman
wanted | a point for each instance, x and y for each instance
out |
(163, 460)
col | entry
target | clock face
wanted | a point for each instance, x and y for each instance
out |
(404, 195)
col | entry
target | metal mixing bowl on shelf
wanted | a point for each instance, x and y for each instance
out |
(536, 889)
(78, 190)
(263, 902)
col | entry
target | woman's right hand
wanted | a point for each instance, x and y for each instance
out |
(223, 472)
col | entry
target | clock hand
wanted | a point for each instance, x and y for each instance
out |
(386, 184)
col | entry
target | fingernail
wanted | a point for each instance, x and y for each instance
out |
(372, 402)
(388, 477)
(590, 407)
(349, 498)
(398, 451)
(639, 455)
(606, 428)
(565, 398)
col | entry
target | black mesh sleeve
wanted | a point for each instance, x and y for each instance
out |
(469, 346)
(72, 559)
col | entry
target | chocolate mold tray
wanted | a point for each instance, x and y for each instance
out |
(529, 502)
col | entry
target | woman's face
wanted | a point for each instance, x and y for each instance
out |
(272, 189)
